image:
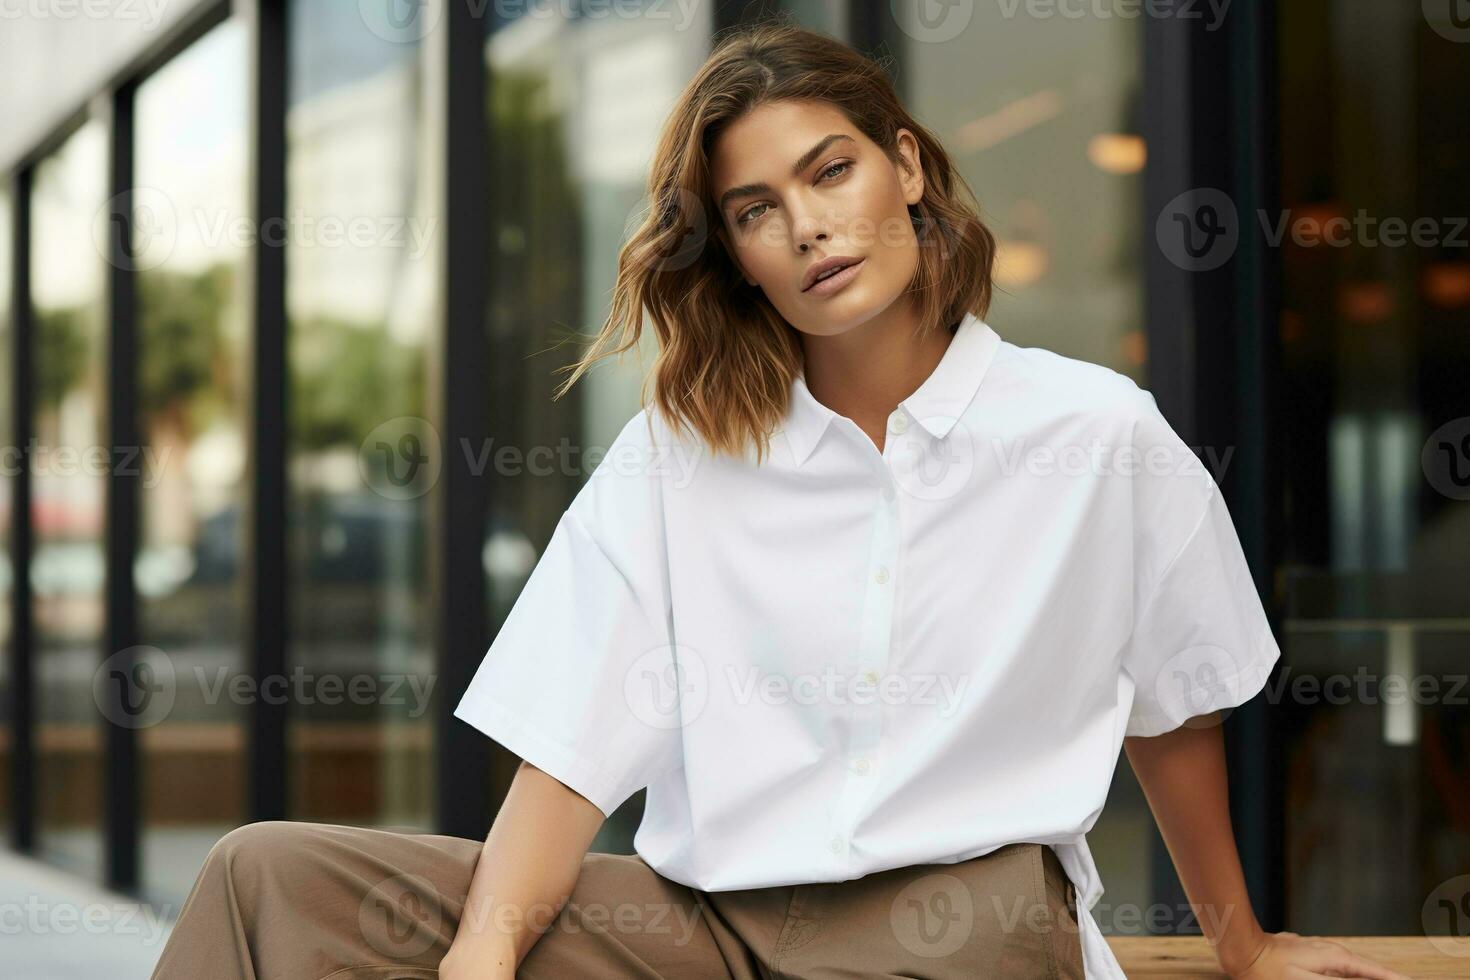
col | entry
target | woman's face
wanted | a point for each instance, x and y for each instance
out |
(797, 184)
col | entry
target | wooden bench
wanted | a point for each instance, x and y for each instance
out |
(1190, 957)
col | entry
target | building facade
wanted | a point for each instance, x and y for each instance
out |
(284, 285)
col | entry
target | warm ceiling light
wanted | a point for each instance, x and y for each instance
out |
(1117, 153)
(1447, 284)
(1365, 302)
(1019, 263)
(1308, 225)
(1135, 347)
(1291, 326)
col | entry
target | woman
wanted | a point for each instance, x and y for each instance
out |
(874, 675)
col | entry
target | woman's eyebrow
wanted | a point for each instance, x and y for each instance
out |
(804, 161)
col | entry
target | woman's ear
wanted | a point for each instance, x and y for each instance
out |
(910, 169)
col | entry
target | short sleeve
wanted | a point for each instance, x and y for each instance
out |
(1201, 641)
(576, 680)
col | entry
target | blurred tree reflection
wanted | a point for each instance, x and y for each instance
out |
(339, 373)
(185, 376)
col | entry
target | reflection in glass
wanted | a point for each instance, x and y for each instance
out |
(190, 130)
(826, 16)
(575, 107)
(1376, 563)
(69, 481)
(360, 272)
(1042, 126)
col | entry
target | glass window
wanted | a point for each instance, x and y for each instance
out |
(1039, 113)
(575, 105)
(1375, 318)
(69, 466)
(827, 16)
(190, 245)
(360, 281)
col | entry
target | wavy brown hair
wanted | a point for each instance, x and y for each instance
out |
(727, 358)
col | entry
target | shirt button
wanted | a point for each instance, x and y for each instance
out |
(835, 845)
(881, 575)
(870, 676)
(862, 766)
(898, 422)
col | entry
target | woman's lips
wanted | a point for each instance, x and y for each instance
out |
(836, 281)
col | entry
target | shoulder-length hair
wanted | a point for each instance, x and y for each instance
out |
(727, 358)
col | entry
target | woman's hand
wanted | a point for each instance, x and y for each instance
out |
(1289, 956)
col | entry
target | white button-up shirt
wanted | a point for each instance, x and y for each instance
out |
(843, 659)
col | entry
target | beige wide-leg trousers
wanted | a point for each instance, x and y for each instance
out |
(301, 901)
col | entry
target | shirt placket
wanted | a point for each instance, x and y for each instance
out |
(862, 755)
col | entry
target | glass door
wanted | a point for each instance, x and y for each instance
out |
(1375, 339)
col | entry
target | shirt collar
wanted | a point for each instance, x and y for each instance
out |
(936, 405)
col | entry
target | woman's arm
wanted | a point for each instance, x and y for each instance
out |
(531, 860)
(1182, 773)
(1183, 776)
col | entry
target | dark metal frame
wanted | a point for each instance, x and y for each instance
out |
(1212, 356)
(265, 572)
(119, 633)
(873, 30)
(22, 663)
(469, 785)
(1257, 763)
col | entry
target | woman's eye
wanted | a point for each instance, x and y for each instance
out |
(834, 167)
(754, 212)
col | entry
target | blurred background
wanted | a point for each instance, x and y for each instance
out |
(260, 260)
